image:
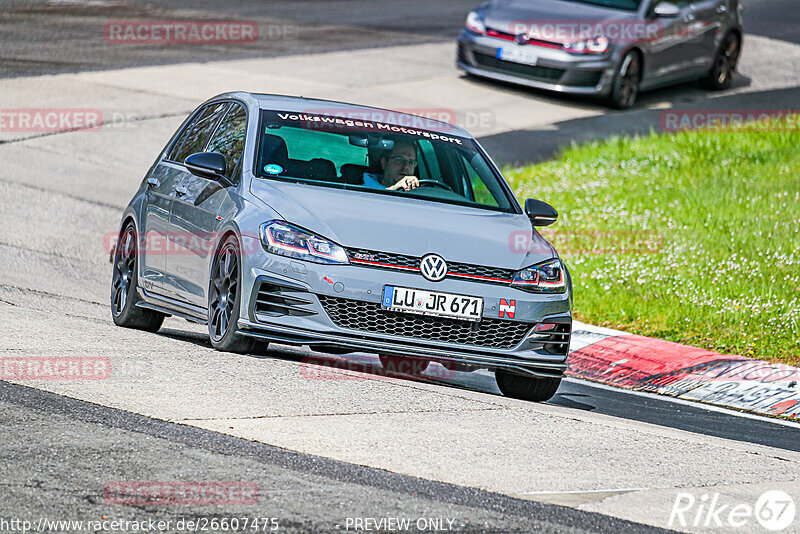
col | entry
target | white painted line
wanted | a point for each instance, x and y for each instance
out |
(574, 492)
(693, 403)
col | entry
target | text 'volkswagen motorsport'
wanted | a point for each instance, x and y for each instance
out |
(345, 228)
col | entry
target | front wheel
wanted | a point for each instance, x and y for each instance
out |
(224, 296)
(625, 89)
(124, 281)
(525, 387)
(721, 75)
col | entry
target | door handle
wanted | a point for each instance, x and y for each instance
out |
(181, 191)
(153, 182)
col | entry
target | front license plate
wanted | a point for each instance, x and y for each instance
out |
(517, 55)
(432, 303)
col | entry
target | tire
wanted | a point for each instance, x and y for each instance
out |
(625, 88)
(124, 282)
(721, 75)
(405, 366)
(224, 298)
(526, 388)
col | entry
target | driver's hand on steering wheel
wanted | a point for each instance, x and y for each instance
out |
(407, 183)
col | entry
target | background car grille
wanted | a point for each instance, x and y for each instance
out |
(370, 317)
(544, 74)
(387, 260)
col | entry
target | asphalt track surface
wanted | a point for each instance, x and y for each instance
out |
(47, 37)
(85, 445)
(61, 451)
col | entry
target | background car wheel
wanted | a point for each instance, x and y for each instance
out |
(224, 296)
(625, 89)
(124, 282)
(721, 75)
(406, 366)
(525, 387)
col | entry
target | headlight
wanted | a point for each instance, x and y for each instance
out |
(280, 237)
(475, 23)
(543, 278)
(596, 45)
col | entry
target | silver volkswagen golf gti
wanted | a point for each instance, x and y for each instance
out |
(345, 228)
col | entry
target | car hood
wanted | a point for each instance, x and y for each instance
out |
(408, 226)
(510, 15)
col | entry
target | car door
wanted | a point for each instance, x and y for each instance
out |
(668, 48)
(204, 203)
(708, 17)
(195, 140)
(161, 184)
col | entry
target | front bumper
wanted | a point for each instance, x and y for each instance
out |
(289, 301)
(555, 70)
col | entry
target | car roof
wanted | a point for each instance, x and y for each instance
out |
(300, 104)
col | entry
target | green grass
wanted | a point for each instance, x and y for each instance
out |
(692, 237)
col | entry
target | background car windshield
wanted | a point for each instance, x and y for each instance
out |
(351, 154)
(628, 5)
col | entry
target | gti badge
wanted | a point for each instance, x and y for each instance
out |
(433, 267)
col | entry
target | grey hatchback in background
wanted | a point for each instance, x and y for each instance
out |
(609, 48)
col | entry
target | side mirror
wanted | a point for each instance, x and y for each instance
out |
(666, 10)
(210, 165)
(540, 213)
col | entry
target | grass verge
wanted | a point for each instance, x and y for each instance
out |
(692, 237)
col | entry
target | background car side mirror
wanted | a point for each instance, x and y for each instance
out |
(210, 165)
(540, 213)
(666, 10)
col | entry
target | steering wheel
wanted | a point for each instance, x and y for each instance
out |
(423, 183)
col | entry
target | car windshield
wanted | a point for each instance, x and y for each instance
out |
(371, 156)
(627, 5)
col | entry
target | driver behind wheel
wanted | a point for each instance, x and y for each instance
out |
(398, 169)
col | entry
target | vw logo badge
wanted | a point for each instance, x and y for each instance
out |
(433, 267)
(522, 38)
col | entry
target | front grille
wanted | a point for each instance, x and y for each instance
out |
(462, 53)
(387, 260)
(543, 74)
(370, 317)
(583, 78)
(556, 341)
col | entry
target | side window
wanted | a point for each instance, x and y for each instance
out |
(228, 140)
(196, 135)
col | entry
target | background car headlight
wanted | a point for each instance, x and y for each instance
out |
(475, 23)
(596, 45)
(546, 277)
(280, 237)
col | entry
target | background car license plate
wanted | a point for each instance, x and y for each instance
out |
(517, 55)
(432, 303)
